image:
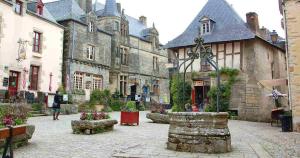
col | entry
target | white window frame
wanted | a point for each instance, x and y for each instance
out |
(78, 80)
(91, 27)
(97, 82)
(90, 52)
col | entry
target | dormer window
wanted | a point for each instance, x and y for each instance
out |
(39, 7)
(91, 27)
(206, 25)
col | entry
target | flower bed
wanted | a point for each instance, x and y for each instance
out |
(16, 117)
(93, 123)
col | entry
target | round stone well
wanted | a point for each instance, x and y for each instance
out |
(199, 132)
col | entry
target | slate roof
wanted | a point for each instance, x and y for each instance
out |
(46, 14)
(228, 26)
(65, 10)
(70, 10)
(111, 9)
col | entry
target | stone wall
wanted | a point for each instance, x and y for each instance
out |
(292, 25)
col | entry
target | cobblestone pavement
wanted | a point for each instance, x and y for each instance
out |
(54, 139)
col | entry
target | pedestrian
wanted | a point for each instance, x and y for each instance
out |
(56, 106)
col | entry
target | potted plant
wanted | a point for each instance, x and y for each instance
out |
(129, 114)
(93, 123)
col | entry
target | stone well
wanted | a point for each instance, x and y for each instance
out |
(199, 132)
(158, 118)
(92, 127)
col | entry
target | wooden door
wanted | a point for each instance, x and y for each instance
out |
(13, 83)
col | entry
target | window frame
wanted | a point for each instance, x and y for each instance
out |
(91, 27)
(34, 77)
(123, 85)
(97, 82)
(37, 42)
(19, 4)
(90, 52)
(78, 80)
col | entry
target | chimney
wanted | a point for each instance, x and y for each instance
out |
(143, 20)
(85, 5)
(263, 33)
(89, 6)
(274, 37)
(252, 21)
(119, 7)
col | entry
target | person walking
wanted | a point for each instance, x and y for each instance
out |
(56, 106)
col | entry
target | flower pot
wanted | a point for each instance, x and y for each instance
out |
(129, 118)
(199, 132)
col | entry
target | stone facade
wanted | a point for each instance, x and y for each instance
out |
(127, 55)
(257, 57)
(291, 12)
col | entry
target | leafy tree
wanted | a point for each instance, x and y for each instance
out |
(177, 92)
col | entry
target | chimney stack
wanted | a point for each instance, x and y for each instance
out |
(274, 37)
(119, 7)
(143, 20)
(252, 21)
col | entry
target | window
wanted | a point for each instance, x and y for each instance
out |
(37, 42)
(156, 90)
(97, 82)
(123, 29)
(78, 80)
(19, 7)
(155, 64)
(39, 9)
(123, 85)
(90, 52)
(91, 27)
(34, 77)
(205, 28)
(124, 56)
(116, 26)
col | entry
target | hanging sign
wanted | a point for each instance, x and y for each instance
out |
(199, 83)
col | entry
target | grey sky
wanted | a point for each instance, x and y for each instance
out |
(172, 17)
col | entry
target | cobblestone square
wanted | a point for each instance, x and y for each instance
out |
(54, 139)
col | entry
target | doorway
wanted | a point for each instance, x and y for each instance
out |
(201, 94)
(132, 92)
(13, 83)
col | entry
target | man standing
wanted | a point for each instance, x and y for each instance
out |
(56, 106)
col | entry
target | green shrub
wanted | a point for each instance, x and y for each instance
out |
(129, 107)
(116, 105)
(177, 92)
(142, 107)
(37, 107)
(101, 97)
(224, 91)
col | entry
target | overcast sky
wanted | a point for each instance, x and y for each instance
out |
(172, 17)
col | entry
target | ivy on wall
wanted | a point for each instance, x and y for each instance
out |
(225, 90)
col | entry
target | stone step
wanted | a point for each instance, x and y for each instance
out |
(38, 115)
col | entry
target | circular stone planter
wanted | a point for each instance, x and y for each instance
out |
(158, 118)
(199, 132)
(92, 127)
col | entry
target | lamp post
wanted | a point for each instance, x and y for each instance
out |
(205, 53)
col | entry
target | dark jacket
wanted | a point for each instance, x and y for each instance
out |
(57, 100)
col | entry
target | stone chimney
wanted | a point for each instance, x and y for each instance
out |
(274, 36)
(252, 21)
(143, 20)
(119, 7)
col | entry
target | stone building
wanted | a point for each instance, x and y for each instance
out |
(31, 49)
(235, 44)
(290, 9)
(127, 55)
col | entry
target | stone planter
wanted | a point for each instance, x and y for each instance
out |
(158, 118)
(92, 127)
(21, 137)
(199, 132)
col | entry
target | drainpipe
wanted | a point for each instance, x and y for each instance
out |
(287, 57)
